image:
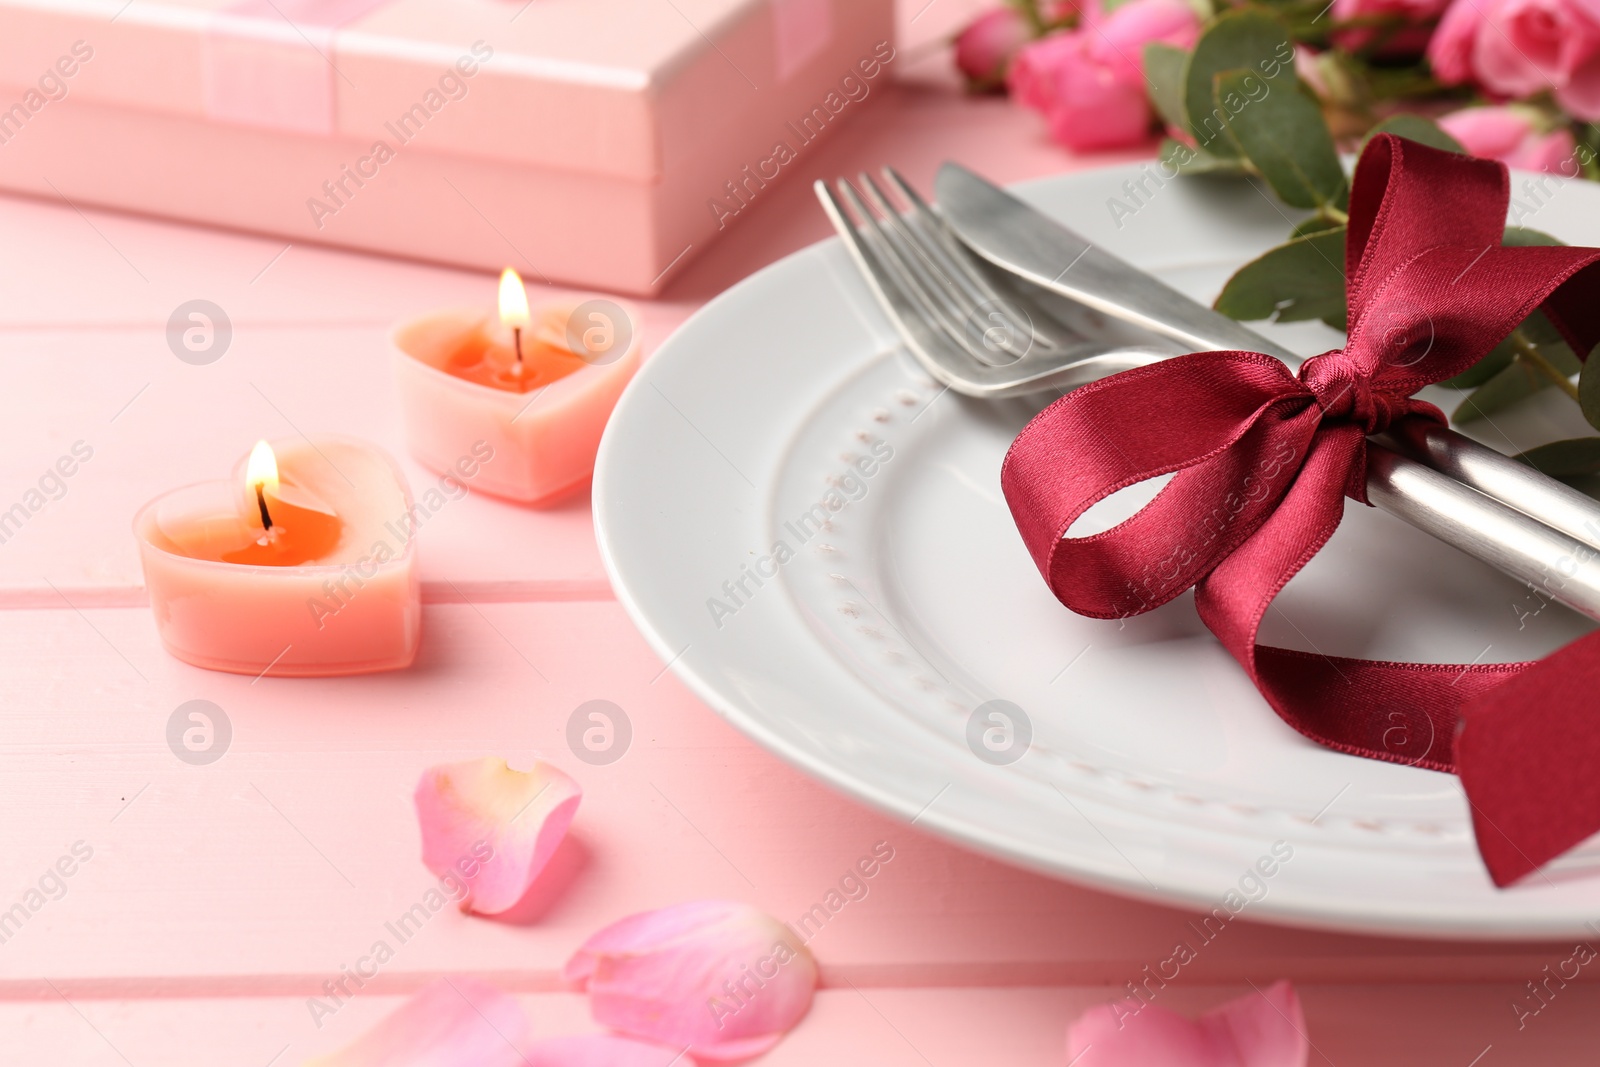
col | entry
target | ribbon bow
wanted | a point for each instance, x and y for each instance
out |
(1261, 458)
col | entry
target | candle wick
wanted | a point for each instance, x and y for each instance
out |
(261, 502)
(516, 341)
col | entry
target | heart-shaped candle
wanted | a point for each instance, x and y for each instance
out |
(302, 563)
(536, 388)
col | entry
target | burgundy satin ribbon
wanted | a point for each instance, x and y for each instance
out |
(1262, 458)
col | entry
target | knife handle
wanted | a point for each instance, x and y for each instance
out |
(1553, 564)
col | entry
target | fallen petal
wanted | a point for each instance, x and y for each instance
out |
(1266, 1029)
(490, 830)
(603, 1050)
(454, 1022)
(1259, 1029)
(722, 979)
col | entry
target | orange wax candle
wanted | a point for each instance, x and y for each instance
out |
(531, 391)
(300, 564)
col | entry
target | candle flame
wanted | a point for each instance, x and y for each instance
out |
(262, 469)
(513, 299)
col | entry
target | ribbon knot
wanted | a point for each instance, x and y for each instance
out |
(1259, 477)
(1345, 392)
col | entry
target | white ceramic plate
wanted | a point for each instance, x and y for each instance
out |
(860, 651)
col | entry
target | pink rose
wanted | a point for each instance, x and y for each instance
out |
(1413, 19)
(1512, 135)
(1089, 82)
(1517, 48)
(985, 48)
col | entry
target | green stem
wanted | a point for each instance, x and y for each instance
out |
(1333, 214)
(1031, 13)
(1529, 352)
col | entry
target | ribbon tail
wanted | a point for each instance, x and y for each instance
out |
(1402, 713)
(1528, 753)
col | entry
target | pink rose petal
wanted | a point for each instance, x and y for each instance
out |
(1511, 134)
(1032, 80)
(984, 49)
(1260, 1029)
(721, 978)
(1124, 33)
(603, 1050)
(1553, 153)
(1580, 97)
(491, 828)
(1450, 50)
(1089, 83)
(454, 1022)
(1488, 132)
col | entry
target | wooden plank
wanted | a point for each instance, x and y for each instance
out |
(99, 270)
(1375, 1026)
(267, 870)
(151, 423)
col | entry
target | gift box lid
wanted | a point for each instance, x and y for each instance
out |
(624, 88)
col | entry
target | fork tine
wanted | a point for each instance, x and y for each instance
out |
(936, 351)
(914, 222)
(962, 315)
(889, 261)
(909, 274)
(938, 234)
(909, 320)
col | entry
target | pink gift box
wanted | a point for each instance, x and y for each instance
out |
(592, 142)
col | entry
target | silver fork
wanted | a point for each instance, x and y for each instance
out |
(933, 254)
(958, 324)
(929, 287)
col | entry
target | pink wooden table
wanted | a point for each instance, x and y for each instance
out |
(220, 897)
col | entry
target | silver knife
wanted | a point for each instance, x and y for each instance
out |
(1024, 241)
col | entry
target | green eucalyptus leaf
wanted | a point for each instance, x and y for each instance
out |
(1487, 367)
(1283, 133)
(1295, 282)
(1315, 224)
(1589, 390)
(1243, 39)
(1536, 330)
(1184, 159)
(1515, 383)
(1163, 76)
(1539, 331)
(1523, 237)
(1576, 457)
(1415, 128)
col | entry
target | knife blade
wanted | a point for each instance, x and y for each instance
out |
(1019, 238)
(1022, 240)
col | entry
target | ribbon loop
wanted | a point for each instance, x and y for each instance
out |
(1261, 461)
